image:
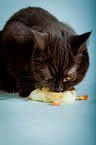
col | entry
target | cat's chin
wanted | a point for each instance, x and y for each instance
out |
(72, 89)
(60, 90)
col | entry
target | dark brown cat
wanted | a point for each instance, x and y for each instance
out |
(37, 50)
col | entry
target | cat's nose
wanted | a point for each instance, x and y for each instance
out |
(59, 89)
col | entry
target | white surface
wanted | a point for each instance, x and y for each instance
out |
(25, 122)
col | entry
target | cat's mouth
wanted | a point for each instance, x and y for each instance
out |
(61, 89)
(56, 89)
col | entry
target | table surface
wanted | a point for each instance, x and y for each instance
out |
(26, 122)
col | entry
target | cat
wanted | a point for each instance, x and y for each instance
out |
(37, 50)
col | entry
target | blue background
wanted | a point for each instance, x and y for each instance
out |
(24, 122)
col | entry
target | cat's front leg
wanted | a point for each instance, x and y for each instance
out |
(22, 92)
(10, 89)
(25, 87)
(9, 86)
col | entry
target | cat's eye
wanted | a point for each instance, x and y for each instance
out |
(49, 78)
(70, 78)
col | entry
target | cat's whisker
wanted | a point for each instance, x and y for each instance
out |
(28, 89)
(25, 85)
(26, 77)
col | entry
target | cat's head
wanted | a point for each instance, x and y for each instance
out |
(61, 62)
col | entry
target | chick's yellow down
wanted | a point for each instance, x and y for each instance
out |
(47, 96)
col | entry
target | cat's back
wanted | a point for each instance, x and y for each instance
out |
(33, 16)
(41, 20)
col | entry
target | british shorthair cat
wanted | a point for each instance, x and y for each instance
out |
(37, 50)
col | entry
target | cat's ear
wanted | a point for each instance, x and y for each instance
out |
(80, 41)
(40, 39)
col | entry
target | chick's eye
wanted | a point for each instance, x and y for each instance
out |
(70, 78)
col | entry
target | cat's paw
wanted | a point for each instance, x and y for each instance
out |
(23, 92)
(9, 90)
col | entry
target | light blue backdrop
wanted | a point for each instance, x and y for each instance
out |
(25, 122)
